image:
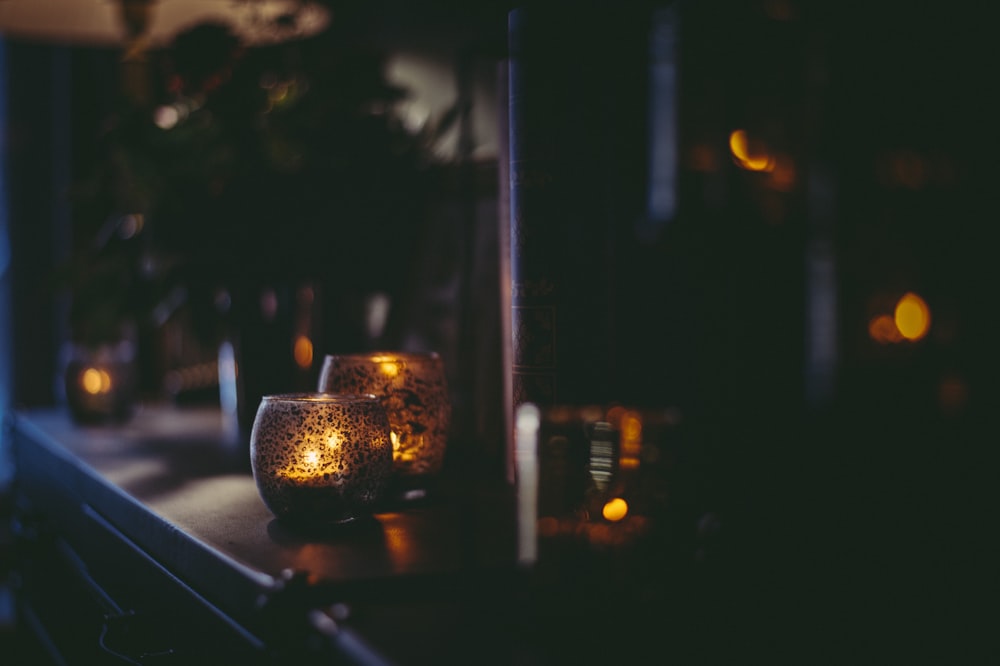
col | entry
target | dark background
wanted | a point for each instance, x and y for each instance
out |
(855, 490)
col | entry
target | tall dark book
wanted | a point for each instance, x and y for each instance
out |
(574, 78)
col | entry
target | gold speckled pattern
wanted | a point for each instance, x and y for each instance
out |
(320, 457)
(414, 392)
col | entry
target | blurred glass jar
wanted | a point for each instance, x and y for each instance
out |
(413, 389)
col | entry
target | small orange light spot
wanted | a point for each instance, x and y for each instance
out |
(615, 509)
(748, 158)
(90, 381)
(303, 351)
(95, 381)
(912, 317)
(333, 440)
(389, 369)
(883, 329)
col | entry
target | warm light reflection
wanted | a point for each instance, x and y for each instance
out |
(883, 329)
(303, 351)
(912, 316)
(311, 457)
(401, 547)
(95, 381)
(615, 509)
(783, 175)
(752, 160)
(548, 526)
(389, 369)
(333, 440)
(631, 440)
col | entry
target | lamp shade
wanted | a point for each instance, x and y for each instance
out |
(118, 22)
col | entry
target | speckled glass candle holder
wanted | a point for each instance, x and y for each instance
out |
(414, 392)
(320, 458)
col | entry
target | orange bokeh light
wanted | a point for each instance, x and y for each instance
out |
(303, 351)
(883, 329)
(615, 509)
(912, 317)
(748, 156)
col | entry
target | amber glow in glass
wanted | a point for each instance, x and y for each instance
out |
(414, 392)
(320, 458)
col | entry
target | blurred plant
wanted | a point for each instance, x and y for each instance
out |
(249, 164)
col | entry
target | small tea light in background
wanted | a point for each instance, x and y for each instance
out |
(414, 392)
(99, 383)
(320, 458)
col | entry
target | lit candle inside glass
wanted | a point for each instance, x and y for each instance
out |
(414, 392)
(320, 458)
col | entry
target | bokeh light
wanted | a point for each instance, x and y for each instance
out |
(389, 369)
(303, 351)
(883, 329)
(748, 156)
(912, 316)
(95, 381)
(615, 509)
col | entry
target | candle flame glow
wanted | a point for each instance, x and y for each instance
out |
(95, 381)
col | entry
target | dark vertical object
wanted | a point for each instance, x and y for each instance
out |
(464, 402)
(503, 266)
(62, 179)
(32, 205)
(6, 350)
(572, 80)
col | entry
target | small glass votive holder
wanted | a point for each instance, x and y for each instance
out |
(100, 382)
(319, 458)
(414, 391)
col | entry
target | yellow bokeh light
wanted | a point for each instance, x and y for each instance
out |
(389, 369)
(739, 144)
(303, 351)
(95, 381)
(615, 509)
(90, 380)
(333, 440)
(912, 317)
(311, 457)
